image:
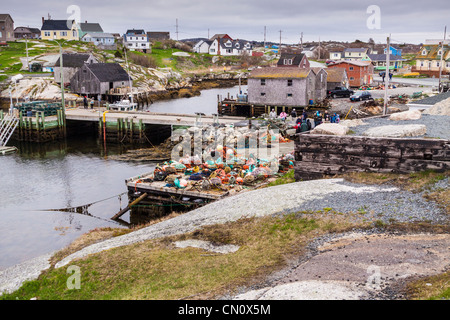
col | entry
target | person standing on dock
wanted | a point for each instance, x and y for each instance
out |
(85, 102)
(294, 114)
(273, 114)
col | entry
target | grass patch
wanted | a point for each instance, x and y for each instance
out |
(157, 270)
(415, 182)
(430, 288)
(284, 179)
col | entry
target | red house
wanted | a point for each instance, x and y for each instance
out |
(359, 73)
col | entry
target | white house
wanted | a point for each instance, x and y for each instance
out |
(136, 40)
(335, 55)
(98, 38)
(202, 46)
(228, 47)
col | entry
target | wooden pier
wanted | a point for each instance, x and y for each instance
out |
(317, 156)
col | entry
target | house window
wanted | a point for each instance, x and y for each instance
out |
(437, 64)
(289, 95)
(424, 52)
(351, 68)
(229, 50)
(289, 83)
(287, 61)
(421, 63)
(47, 33)
(263, 82)
(63, 34)
(263, 94)
(351, 78)
(212, 50)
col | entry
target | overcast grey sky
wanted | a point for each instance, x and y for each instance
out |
(343, 20)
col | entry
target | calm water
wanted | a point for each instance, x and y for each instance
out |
(42, 178)
(206, 102)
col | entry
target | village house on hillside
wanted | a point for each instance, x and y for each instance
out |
(336, 77)
(6, 28)
(72, 62)
(379, 61)
(104, 41)
(27, 33)
(202, 46)
(84, 28)
(227, 47)
(99, 79)
(59, 29)
(137, 40)
(298, 60)
(290, 86)
(354, 54)
(359, 72)
(428, 60)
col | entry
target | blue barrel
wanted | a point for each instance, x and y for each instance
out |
(311, 102)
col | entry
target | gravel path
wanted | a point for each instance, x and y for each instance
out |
(437, 126)
(370, 202)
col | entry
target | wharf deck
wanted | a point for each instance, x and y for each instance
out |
(146, 117)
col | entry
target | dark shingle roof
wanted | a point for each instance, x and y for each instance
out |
(73, 60)
(108, 72)
(296, 58)
(56, 24)
(90, 27)
(382, 57)
(136, 31)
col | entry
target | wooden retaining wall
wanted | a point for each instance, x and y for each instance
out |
(319, 155)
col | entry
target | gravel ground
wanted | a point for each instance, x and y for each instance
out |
(368, 202)
(437, 126)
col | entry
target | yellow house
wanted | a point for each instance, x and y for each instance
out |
(59, 29)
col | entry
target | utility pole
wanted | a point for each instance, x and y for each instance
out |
(319, 48)
(280, 42)
(176, 28)
(301, 42)
(386, 76)
(208, 33)
(26, 46)
(264, 37)
(440, 63)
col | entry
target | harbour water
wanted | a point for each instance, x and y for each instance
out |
(40, 180)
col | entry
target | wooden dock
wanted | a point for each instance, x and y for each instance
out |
(150, 118)
(324, 155)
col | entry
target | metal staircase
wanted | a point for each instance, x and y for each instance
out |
(7, 127)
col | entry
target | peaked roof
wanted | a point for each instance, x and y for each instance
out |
(336, 74)
(90, 27)
(220, 35)
(4, 16)
(296, 58)
(108, 72)
(98, 35)
(356, 49)
(281, 73)
(382, 57)
(136, 31)
(73, 60)
(57, 24)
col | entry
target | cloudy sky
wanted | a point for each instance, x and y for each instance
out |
(342, 20)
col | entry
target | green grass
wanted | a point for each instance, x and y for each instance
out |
(157, 270)
(286, 178)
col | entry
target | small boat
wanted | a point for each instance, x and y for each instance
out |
(124, 105)
(7, 150)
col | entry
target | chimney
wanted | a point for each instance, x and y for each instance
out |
(43, 20)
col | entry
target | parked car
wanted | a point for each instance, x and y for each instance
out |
(361, 96)
(340, 92)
